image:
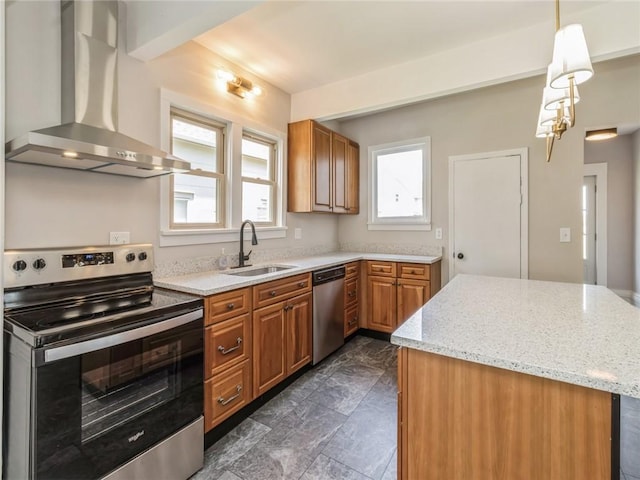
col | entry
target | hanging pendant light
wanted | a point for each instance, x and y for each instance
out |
(570, 66)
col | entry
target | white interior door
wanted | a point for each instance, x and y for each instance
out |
(488, 214)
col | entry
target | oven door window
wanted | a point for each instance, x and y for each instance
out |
(99, 409)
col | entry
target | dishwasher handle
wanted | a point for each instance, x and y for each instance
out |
(328, 275)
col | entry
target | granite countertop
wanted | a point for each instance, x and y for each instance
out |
(580, 334)
(218, 281)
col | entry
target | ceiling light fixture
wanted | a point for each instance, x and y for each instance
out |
(239, 86)
(569, 67)
(601, 134)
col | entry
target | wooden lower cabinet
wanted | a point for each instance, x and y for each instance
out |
(268, 347)
(463, 420)
(381, 297)
(351, 320)
(227, 393)
(281, 341)
(391, 299)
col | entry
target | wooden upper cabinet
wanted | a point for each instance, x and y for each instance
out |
(353, 178)
(320, 170)
(340, 147)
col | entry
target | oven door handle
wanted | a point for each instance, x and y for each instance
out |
(75, 349)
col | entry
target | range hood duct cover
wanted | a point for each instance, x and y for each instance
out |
(88, 138)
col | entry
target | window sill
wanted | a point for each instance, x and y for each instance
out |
(418, 227)
(174, 238)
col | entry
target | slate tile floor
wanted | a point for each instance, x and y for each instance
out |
(337, 421)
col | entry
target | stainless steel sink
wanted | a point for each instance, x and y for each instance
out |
(253, 272)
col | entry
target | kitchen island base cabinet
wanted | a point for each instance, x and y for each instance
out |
(459, 419)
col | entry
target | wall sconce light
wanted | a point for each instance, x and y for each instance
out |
(239, 86)
(569, 67)
(601, 134)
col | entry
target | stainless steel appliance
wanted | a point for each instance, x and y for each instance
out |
(103, 373)
(328, 311)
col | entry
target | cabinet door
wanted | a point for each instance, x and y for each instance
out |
(298, 330)
(353, 178)
(412, 295)
(322, 181)
(339, 153)
(381, 303)
(268, 347)
(350, 320)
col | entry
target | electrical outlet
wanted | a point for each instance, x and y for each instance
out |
(565, 234)
(119, 238)
(297, 233)
(438, 234)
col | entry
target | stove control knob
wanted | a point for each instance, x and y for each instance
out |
(19, 265)
(130, 257)
(142, 256)
(39, 264)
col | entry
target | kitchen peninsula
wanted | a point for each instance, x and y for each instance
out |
(506, 378)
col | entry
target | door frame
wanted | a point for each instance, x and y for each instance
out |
(599, 170)
(524, 203)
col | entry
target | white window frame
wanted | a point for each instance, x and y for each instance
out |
(235, 125)
(221, 197)
(258, 138)
(422, 223)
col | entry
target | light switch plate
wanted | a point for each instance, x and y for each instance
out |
(438, 234)
(565, 235)
(297, 233)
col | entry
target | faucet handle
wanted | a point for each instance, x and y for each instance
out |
(246, 257)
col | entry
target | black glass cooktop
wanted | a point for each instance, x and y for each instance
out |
(58, 312)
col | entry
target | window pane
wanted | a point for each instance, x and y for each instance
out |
(195, 199)
(400, 178)
(256, 202)
(256, 159)
(196, 144)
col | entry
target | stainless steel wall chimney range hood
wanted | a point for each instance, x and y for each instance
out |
(87, 139)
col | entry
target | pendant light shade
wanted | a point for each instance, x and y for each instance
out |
(570, 57)
(555, 98)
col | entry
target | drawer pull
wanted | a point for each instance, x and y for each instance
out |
(413, 272)
(225, 351)
(353, 321)
(351, 294)
(302, 284)
(223, 402)
(230, 306)
(272, 293)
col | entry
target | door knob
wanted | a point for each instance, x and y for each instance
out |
(460, 256)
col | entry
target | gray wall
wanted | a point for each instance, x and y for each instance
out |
(500, 118)
(48, 207)
(617, 153)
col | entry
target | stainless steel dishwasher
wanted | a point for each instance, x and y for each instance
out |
(328, 311)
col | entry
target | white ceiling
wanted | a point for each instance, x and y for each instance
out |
(302, 45)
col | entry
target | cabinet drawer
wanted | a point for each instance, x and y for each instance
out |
(352, 269)
(278, 290)
(227, 343)
(381, 269)
(226, 393)
(351, 292)
(416, 271)
(227, 305)
(350, 320)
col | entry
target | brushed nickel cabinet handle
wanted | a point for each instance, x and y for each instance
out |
(351, 293)
(222, 401)
(353, 321)
(302, 284)
(225, 351)
(272, 293)
(413, 272)
(230, 306)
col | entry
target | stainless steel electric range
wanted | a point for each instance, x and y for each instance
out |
(103, 372)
